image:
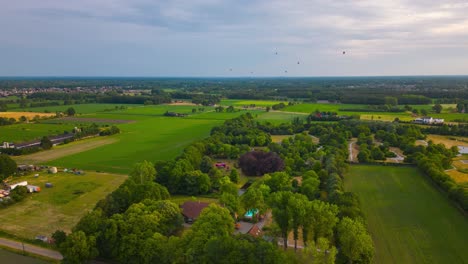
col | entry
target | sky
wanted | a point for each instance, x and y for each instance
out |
(233, 37)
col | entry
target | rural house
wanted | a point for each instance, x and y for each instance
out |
(191, 210)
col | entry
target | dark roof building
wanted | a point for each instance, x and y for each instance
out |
(191, 210)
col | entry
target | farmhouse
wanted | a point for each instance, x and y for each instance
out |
(191, 210)
(428, 120)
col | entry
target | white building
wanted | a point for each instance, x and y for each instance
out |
(463, 150)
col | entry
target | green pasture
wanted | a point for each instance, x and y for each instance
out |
(59, 207)
(261, 103)
(30, 131)
(79, 108)
(409, 219)
(367, 115)
(149, 138)
(10, 257)
(279, 117)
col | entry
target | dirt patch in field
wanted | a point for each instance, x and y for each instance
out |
(28, 115)
(458, 176)
(96, 120)
(65, 150)
(448, 141)
(399, 158)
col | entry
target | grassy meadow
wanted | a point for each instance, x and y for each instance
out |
(59, 207)
(241, 102)
(30, 131)
(79, 108)
(409, 219)
(384, 116)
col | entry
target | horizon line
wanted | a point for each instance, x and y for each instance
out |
(230, 77)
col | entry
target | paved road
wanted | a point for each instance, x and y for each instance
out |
(31, 249)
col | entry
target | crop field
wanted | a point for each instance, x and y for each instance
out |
(59, 207)
(262, 103)
(448, 141)
(79, 108)
(25, 132)
(278, 117)
(410, 220)
(28, 115)
(384, 116)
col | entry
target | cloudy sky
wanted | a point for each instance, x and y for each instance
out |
(233, 37)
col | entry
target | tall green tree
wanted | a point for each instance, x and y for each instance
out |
(143, 172)
(234, 176)
(281, 212)
(320, 252)
(7, 166)
(46, 143)
(437, 108)
(78, 248)
(297, 206)
(71, 111)
(355, 243)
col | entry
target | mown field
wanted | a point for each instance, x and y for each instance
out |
(151, 137)
(384, 116)
(10, 257)
(240, 103)
(409, 219)
(25, 132)
(59, 207)
(79, 108)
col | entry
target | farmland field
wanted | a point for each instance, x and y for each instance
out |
(261, 103)
(9, 257)
(410, 220)
(278, 117)
(59, 207)
(28, 115)
(64, 150)
(79, 108)
(25, 132)
(384, 116)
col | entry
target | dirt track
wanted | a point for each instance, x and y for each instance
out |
(31, 249)
(65, 150)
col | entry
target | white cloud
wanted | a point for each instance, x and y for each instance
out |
(217, 30)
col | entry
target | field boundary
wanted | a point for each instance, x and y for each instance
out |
(29, 248)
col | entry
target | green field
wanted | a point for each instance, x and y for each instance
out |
(151, 136)
(59, 207)
(79, 108)
(409, 219)
(277, 117)
(384, 116)
(261, 103)
(31, 131)
(9, 257)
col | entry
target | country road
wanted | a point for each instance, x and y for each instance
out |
(351, 149)
(31, 249)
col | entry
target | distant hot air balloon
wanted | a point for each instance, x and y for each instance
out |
(298, 63)
(276, 53)
(344, 52)
(285, 71)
